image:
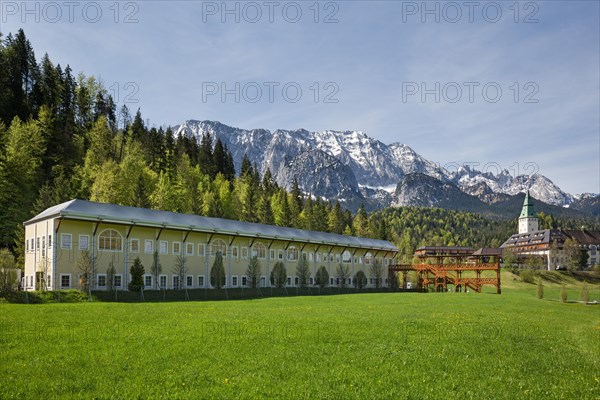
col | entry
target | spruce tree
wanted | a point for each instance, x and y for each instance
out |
(217, 272)
(278, 275)
(303, 271)
(253, 272)
(136, 272)
(322, 277)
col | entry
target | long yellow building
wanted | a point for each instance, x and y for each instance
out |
(56, 239)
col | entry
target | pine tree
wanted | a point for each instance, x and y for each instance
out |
(206, 160)
(137, 272)
(217, 272)
(278, 275)
(254, 271)
(246, 169)
(322, 277)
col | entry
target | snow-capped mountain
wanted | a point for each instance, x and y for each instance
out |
(351, 166)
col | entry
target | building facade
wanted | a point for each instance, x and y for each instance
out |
(548, 244)
(57, 238)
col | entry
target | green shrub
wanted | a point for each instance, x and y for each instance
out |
(585, 293)
(563, 293)
(540, 289)
(527, 276)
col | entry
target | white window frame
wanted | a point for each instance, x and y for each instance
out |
(235, 252)
(234, 281)
(288, 281)
(201, 250)
(120, 276)
(201, 281)
(61, 280)
(173, 278)
(149, 242)
(292, 253)
(189, 249)
(37, 242)
(244, 281)
(163, 247)
(64, 246)
(187, 279)
(176, 252)
(280, 256)
(98, 280)
(131, 241)
(86, 239)
(263, 281)
(119, 236)
(220, 248)
(271, 254)
(245, 253)
(162, 277)
(151, 280)
(255, 251)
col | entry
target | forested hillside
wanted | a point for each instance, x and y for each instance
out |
(63, 136)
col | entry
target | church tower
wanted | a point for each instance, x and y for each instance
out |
(528, 221)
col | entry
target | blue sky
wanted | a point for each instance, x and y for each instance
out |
(373, 59)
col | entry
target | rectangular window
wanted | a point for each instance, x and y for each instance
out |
(27, 245)
(32, 245)
(135, 245)
(65, 241)
(311, 256)
(263, 281)
(164, 247)
(200, 280)
(244, 252)
(201, 249)
(234, 281)
(65, 281)
(50, 241)
(289, 281)
(325, 257)
(148, 280)
(349, 281)
(37, 243)
(148, 246)
(84, 242)
(162, 280)
(189, 249)
(176, 248)
(272, 254)
(244, 281)
(296, 281)
(118, 281)
(337, 258)
(234, 252)
(312, 281)
(189, 281)
(331, 281)
(43, 246)
(175, 281)
(101, 280)
(304, 255)
(280, 255)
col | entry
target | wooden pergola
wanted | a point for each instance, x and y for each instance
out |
(442, 267)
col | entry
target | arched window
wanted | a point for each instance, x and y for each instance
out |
(110, 240)
(218, 246)
(368, 258)
(259, 250)
(346, 256)
(292, 253)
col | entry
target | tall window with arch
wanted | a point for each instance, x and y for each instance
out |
(218, 246)
(259, 250)
(110, 240)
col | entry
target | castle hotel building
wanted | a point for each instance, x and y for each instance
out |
(549, 243)
(56, 239)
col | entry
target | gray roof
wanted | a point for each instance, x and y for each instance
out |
(88, 210)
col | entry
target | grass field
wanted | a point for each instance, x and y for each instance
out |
(390, 345)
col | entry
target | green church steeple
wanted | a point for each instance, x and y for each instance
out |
(527, 211)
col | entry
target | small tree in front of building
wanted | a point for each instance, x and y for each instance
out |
(110, 276)
(303, 272)
(217, 272)
(8, 271)
(179, 272)
(156, 269)
(278, 275)
(585, 293)
(360, 279)
(574, 256)
(343, 273)
(136, 272)
(253, 272)
(84, 266)
(563, 293)
(376, 272)
(322, 277)
(540, 288)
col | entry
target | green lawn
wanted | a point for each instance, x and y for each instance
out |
(413, 345)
